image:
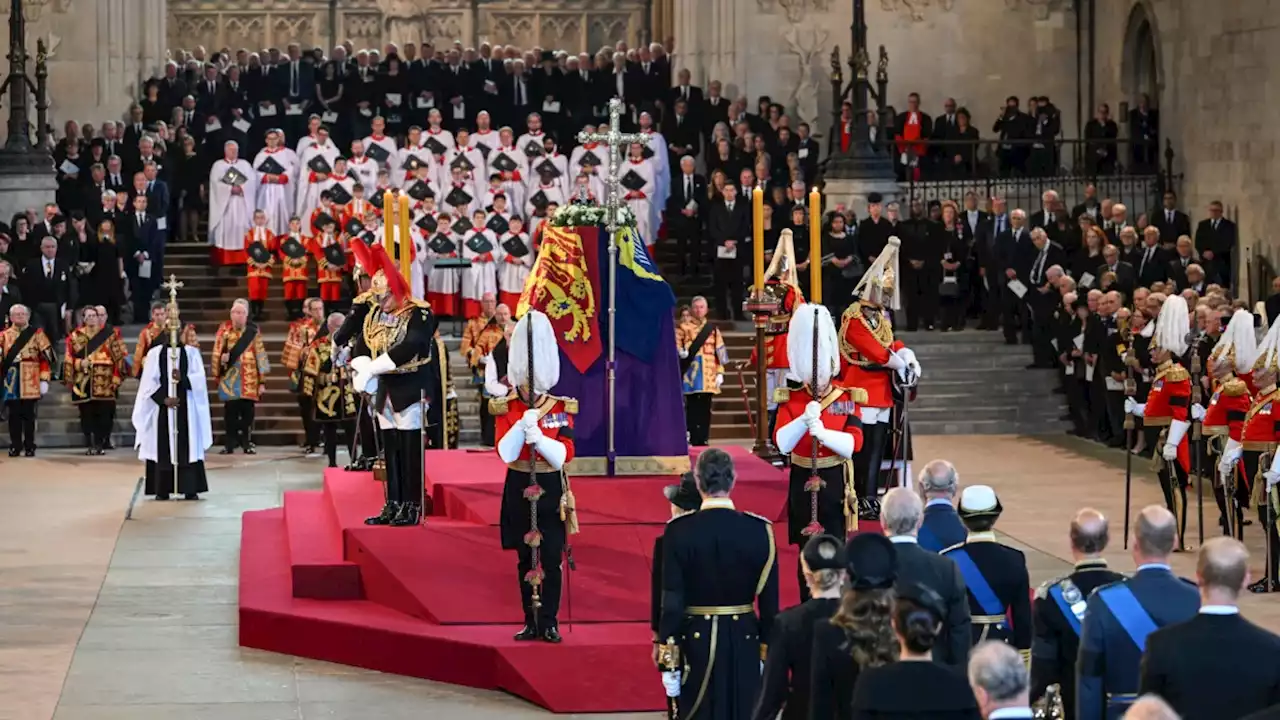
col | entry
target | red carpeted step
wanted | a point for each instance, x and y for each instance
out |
(319, 569)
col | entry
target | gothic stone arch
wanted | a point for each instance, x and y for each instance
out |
(1142, 70)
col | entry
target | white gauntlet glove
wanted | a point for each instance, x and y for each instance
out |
(671, 683)
(1133, 407)
(1273, 474)
(44, 387)
(532, 435)
(529, 419)
(1197, 412)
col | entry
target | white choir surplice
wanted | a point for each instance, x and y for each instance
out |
(384, 142)
(482, 276)
(467, 210)
(401, 177)
(444, 137)
(486, 142)
(553, 193)
(513, 271)
(514, 186)
(365, 169)
(661, 162)
(230, 215)
(310, 183)
(347, 182)
(443, 283)
(477, 176)
(641, 206)
(276, 199)
(561, 163)
(146, 411)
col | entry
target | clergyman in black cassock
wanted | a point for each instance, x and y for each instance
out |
(171, 419)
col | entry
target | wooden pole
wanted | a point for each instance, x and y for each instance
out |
(389, 221)
(815, 246)
(406, 240)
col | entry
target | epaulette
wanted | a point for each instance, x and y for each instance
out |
(1235, 387)
(1043, 590)
(781, 395)
(498, 406)
(857, 394)
(570, 404)
(1177, 373)
(761, 518)
(365, 297)
(944, 551)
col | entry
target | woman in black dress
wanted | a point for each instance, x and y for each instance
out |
(859, 636)
(841, 275)
(915, 686)
(104, 282)
(1087, 260)
(391, 93)
(953, 289)
(192, 175)
(153, 110)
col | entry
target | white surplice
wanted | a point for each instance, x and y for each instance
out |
(146, 411)
(230, 215)
(274, 199)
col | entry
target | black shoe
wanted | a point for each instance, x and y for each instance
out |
(526, 634)
(552, 635)
(1260, 587)
(385, 517)
(407, 515)
(190, 496)
(109, 446)
(14, 452)
(250, 449)
(225, 451)
(162, 497)
(30, 452)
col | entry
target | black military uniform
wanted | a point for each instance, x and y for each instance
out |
(717, 563)
(442, 413)
(328, 389)
(1058, 611)
(788, 667)
(349, 336)
(1117, 619)
(406, 336)
(684, 499)
(995, 575)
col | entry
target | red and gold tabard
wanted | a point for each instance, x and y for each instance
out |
(555, 422)
(328, 386)
(1169, 400)
(705, 356)
(95, 364)
(839, 413)
(328, 273)
(1261, 429)
(255, 270)
(24, 362)
(1227, 407)
(295, 269)
(866, 340)
(240, 375)
(775, 342)
(148, 337)
(479, 338)
(301, 333)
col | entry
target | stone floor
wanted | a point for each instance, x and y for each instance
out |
(106, 619)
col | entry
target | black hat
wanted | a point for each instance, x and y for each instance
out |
(871, 561)
(924, 596)
(824, 552)
(874, 198)
(685, 495)
(548, 56)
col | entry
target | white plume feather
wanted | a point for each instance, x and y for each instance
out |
(546, 354)
(1172, 326)
(800, 344)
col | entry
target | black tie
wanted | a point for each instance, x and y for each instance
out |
(48, 269)
(1145, 258)
(1215, 226)
(688, 187)
(293, 79)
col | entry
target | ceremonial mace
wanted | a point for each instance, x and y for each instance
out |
(1130, 390)
(1196, 426)
(175, 362)
(422, 454)
(533, 493)
(815, 483)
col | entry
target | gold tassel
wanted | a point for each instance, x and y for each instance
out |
(850, 500)
(568, 506)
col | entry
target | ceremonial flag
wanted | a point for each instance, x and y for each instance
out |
(646, 296)
(565, 285)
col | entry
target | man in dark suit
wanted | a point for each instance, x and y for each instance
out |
(145, 249)
(714, 109)
(1170, 221)
(1144, 134)
(45, 227)
(681, 132)
(1152, 260)
(1216, 242)
(945, 128)
(901, 513)
(1126, 275)
(1046, 216)
(46, 288)
(172, 88)
(1015, 250)
(295, 86)
(687, 91)
(685, 212)
(583, 90)
(729, 229)
(988, 248)
(1120, 617)
(133, 130)
(10, 294)
(1059, 608)
(210, 92)
(1013, 126)
(515, 97)
(158, 199)
(1182, 259)
(1043, 296)
(939, 483)
(1216, 665)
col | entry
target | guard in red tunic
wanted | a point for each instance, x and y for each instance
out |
(1230, 362)
(535, 431)
(259, 247)
(821, 430)
(783, 286)
(292, 248)
(874, 362)
(1168, 406)
(1258, 439)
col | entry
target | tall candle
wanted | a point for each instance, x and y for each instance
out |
(757, 245)
(389, 221)
(406, 240)
(815, 246)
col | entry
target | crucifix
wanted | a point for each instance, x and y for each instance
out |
(615, 139)
(175, 373)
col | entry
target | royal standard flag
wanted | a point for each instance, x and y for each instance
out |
(564, 283)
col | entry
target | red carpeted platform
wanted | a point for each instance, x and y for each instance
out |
(441, 602)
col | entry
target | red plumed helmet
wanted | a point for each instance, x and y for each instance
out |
(395, 282)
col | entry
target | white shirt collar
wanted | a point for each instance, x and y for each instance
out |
(1219, 610)
(1155, 566)
(904, 540)
(938, 501)
(1010, 713)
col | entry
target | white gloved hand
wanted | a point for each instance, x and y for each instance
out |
(1197, 411)
(530, 419)
(812, 410)
(1273, 479)
(671, 683)
(1133, 407)
(44, 387)
(532, 434)
(684, 353)
(813, 424)
(1169, 451)
(719, 380)
(360, 363)
(910, 374)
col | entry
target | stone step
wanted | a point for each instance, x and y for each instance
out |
(932, 398)
(1034, 414)
(966, 426)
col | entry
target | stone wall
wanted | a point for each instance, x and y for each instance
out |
(101, 51)
(977, 52)
(1215, 64)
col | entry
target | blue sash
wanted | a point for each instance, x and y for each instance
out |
(1134, 618)
(927, 539)
(1055, 592)
(977, 584)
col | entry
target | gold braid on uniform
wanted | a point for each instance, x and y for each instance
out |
(882, 332)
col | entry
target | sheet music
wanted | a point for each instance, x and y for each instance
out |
(1017, 288)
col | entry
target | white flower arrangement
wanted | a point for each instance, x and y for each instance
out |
(573, 215)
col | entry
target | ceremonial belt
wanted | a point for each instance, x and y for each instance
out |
(1258, 445)
(981, 589)
(19, 345)
(823, 463)
(247, 336)
(1055, 592)
(698, 341)
(710, 610)
(1134, 618)
(542, 466)
(1215, 429)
